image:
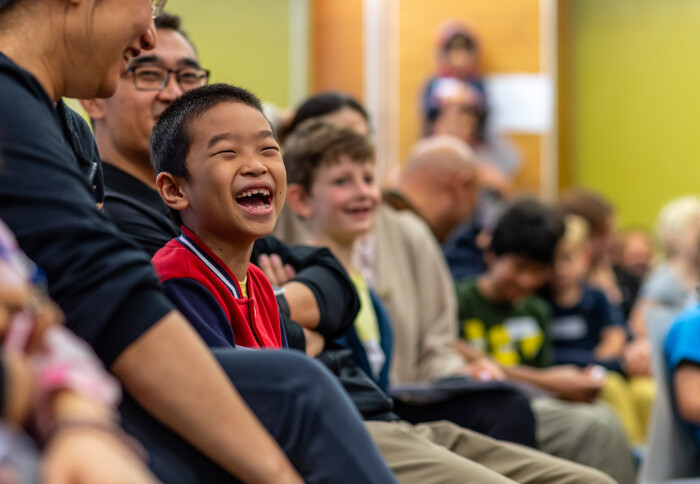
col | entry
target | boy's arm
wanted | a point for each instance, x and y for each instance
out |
(201, 310)
(183, 379)
(613, 336)
(567, 382)
(612, 343)
(318, 290)
(686, 382)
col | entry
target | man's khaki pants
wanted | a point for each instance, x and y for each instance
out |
(444, 453)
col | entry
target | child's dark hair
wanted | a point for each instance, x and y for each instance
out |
(529, 229)
(170, 140)
(321, 105)
(317, 142)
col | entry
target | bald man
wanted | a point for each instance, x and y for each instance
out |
(439, 183)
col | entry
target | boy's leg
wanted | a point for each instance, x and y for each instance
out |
(300, 404)
(516, 462)
(589, 434)
(416, 460)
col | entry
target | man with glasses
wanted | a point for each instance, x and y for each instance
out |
(123, 125)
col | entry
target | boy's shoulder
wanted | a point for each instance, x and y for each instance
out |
(173, 260)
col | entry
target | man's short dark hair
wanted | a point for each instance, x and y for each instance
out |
(171, 136)
(169, 21)
(529, 229)
(316, 143)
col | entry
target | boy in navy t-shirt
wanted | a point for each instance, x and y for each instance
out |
(224, 180)
(587, 331)
(585, 328)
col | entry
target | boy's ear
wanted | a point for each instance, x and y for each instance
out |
(93, 107)
(298, 200)
(170, 190)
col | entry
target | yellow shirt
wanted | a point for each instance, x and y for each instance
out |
(367, 326)
(244, 286)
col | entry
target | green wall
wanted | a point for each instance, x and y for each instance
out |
(243, 42)
(636, 90)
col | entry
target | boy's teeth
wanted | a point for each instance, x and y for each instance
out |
(250, 193)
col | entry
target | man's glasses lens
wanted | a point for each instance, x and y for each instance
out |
(156, 78)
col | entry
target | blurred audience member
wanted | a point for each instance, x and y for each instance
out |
(636, 252)
(52, 384)
(439, 183)
(586, 330)
(502, 318)
(670, 285)
(633, 259)
(600, 216)
(454, 102)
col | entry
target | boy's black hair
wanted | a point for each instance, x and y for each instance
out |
(529, 229)
(170, 139)
(321, 105)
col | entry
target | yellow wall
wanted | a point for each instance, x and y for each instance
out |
(636, 102)
(243, 42)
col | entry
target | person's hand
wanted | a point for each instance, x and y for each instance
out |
(570, 382)
(637, 358)
(92, 456)
(275, 270)
(483, 369)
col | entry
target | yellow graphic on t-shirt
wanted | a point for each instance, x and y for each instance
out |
(474, 333)
(531, 345)
(502, 346)
(507, 343)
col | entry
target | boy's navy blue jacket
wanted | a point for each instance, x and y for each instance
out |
(208, 294)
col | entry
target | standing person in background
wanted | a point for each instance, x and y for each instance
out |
(455, 102)
(104, 283)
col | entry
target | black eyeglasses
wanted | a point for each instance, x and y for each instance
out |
(156, 78)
